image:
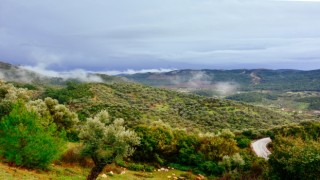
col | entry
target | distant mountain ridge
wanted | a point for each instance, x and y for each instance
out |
(9, 72)
(225, 81)
(253, 79)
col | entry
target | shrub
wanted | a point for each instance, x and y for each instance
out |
(180, 167)
(211, 168)
(121, 162)
(243, 142)
(136, 167)
(26, 142)
(148, 168)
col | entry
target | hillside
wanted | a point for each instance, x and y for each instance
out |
(142, 104)
(241, 79)
(182, 131)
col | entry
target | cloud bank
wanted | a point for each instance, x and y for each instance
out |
(143, 34)
(83, 75)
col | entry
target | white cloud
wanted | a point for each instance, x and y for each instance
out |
(84, 75)
(131, 71)
(79, 74)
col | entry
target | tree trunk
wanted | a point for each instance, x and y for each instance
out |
(95, 171)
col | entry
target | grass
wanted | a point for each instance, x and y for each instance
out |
(54, 172)
(68, 172)
(133, 175)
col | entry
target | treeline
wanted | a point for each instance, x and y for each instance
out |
(252, 97)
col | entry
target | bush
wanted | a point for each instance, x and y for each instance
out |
(148, 168)
(121, 163)
(25, 141)
(180, 167)
(136, 167)
(243, 142)
(211, 168)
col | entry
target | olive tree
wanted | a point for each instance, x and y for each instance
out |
(61, 115)
(105, 141)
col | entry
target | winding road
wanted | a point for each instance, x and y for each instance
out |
(260, 147)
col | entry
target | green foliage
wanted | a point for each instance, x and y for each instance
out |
(294, 158)
(254, 167)
(52, 111)
(156, 143)
(136, 167)
(140, 167)
(247, 97)
(309, 130)
(242, 141)
(180, 167)
(139, 104)
(25, 141)
(295, 151)
(187, 146)
(215, 148)
(105, 141)
(251, 134)
(160, 144)
(71, 92)
(210, 168)
(252, 97)
(25, 85)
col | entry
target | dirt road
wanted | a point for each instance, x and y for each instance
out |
(260, 147)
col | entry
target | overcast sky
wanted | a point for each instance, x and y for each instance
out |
(99, 35)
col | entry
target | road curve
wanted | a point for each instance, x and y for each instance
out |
(260, 147)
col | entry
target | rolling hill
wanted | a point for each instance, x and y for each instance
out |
(138, 103)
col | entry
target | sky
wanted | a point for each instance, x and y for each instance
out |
(127, 35)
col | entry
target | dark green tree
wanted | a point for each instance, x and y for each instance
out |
(25, 141)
